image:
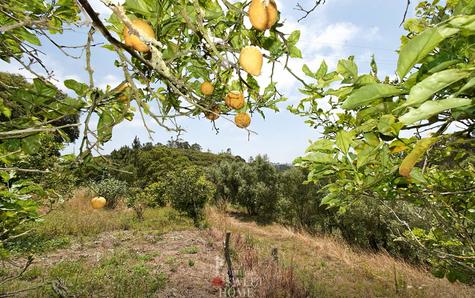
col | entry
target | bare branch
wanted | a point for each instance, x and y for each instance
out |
(27, 264)
(307, 12)
(405, 12)
(24, 170)
(25, 23)
(28, 131)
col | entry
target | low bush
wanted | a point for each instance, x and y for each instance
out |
(189, 191)
(111, 189)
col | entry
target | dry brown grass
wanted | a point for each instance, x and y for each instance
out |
(76, 217)
(329, 267)
(257, 275)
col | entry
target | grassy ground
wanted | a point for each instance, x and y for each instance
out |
(327, 267)
(81, 252)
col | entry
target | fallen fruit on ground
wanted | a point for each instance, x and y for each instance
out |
(214, 115)
(251, 60)
(207, 88)
(242, 120)
(263, 16)
(98, 202)
(234, 100)
(134, 41)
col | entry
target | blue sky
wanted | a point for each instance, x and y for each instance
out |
(335, 30)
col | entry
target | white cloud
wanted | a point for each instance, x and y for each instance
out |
(110, 79)
(101, 8)
(327, 44)
(16, 68)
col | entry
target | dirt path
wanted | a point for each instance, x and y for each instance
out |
(330, 268)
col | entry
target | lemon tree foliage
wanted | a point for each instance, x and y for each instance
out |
(165, 49)
(407, 138)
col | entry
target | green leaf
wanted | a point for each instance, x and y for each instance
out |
(322, 145)
(347, 68)
(76, 86)
(420, 46)
(319, 157)
(431, 108)
(365, 79)
(322, 70)
(29, 37)
(331, 200)
(7, 112)
(369, 93)
(344, 140)
(306, 70)
(295, 52)
(374, 66)
(464, 22)
(31, 144)
(143, 7)
(294, 38)
(470, 84)
(385, 125)
(104, 126)
(433, 84)
(418, 176)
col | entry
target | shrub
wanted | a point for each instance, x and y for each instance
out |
(253, 186)
(17, 208)
(189, 191)
(111, 189)
(299, 203)
(156, 194)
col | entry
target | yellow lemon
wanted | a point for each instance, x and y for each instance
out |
(242, 120)
(263, 16)
(214, 115)
(234, 100)
(134, 41)
(207, 88)
(251, 60)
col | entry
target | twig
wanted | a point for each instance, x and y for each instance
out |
(10, 294)
(90, 71)
(13, 134)
(405, 13)
(26, 22)
(448, 193)
(24, 170)
(307, 12)
(29, 261)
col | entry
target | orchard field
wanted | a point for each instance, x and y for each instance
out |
(381, 203)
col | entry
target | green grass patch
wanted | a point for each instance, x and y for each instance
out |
(190, 250)
(122, 274)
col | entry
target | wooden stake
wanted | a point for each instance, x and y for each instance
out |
(227, 256)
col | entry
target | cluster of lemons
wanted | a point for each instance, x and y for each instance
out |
(263, 14)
